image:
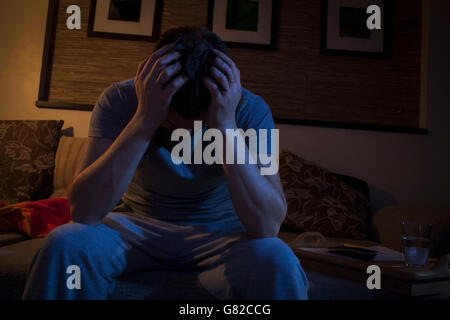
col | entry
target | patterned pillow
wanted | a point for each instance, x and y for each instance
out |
(27, 158)
(319, 201)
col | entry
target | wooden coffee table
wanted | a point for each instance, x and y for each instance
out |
(395, 277)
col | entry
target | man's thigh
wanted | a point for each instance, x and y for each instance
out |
(258, 267)
(151, 244)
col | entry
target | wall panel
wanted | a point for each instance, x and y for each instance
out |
(296, 80)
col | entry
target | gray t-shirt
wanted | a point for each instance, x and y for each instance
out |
(185, 194)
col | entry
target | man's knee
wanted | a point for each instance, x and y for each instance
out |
(272, 253)
(69, 237)
(275, 271)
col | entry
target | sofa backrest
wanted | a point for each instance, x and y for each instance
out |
(69, 155)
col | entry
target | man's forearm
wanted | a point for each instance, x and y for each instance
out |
(98, 188)
(259, 202)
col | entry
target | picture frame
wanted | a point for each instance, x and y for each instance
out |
(344, 31)
(245, 24)
(138, 20)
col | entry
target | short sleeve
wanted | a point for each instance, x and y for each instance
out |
(263, 118)
(255, 114)
(105, 119)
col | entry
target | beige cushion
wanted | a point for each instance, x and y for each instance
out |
(70, 153)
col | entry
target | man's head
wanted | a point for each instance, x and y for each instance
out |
(196, 45)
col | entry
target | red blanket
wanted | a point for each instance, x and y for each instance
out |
(34, 219)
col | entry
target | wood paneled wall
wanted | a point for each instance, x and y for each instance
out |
(295, 80)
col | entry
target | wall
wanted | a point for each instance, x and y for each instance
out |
(22, 31)
(400, 168)
(329, 87)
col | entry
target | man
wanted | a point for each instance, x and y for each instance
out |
(220, 221)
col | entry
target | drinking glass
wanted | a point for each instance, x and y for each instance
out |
(416, 242)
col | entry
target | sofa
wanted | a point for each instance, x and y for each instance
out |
(17, 251)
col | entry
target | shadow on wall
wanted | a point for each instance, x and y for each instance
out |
(380, 198)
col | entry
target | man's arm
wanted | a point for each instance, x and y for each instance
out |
(99, 187)
(110, 165)
(258, 199)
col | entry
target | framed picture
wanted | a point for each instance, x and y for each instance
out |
(249, 24)
(344, 28)
(125, 19)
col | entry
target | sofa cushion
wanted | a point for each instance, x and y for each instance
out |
(69, 155)
(160, 285)
(319, 201)
(169, 284)
(15, 260)
(27, 153)
(359, 185)
(10, 237)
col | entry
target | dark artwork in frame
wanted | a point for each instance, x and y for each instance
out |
(138, 20)
(344, 31)
(245, 23)
(352, 23)
(242, 15)
(125, 10)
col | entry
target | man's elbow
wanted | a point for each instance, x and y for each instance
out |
(78, 212)
(283, 210)
(270, 227)
(279, 212)
(82, 216)
(268, 231)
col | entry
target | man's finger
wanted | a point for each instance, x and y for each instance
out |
(230, 63)
(224, 68)
(153, 57)
(212, 87)
(225, 58)
(161, 64)
(220, 78)
(176, 84)
(141, 66)
(168, 73)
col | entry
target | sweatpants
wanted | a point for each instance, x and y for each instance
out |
(228, 265)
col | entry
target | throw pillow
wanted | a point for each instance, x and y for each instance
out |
(27, 158)
(319, 201)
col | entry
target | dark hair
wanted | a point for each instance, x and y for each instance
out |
(196, 45)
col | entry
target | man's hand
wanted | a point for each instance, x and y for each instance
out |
(154, 91)
(224, 85)
(259, 200)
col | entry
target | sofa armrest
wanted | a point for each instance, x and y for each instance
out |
(10, 237)
(386, 225)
